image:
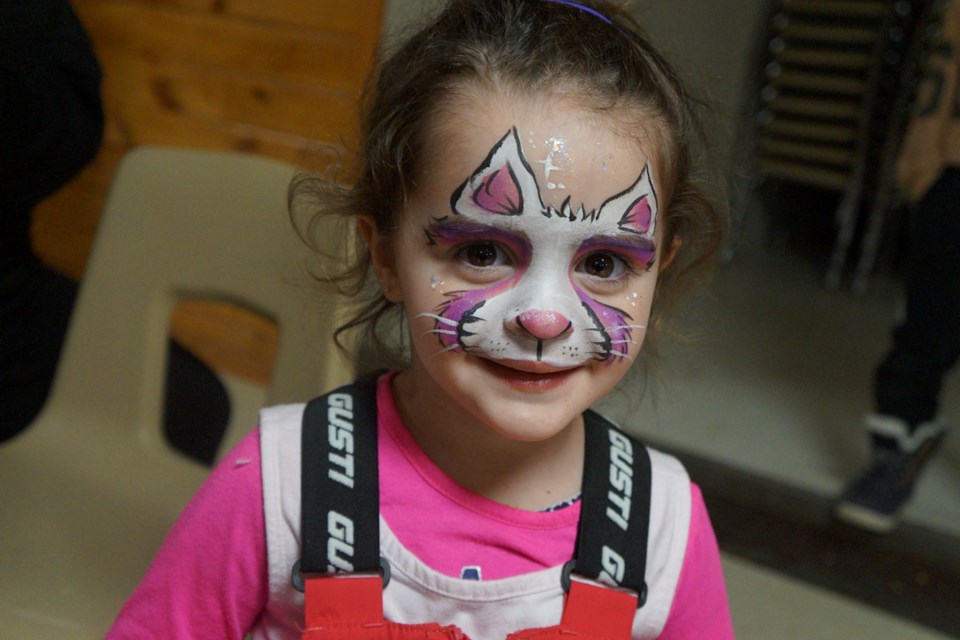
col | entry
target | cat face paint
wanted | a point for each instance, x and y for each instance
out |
(546, 277)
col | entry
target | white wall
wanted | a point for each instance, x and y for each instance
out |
(710, 42)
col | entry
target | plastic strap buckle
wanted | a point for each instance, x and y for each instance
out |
(296, 577)
(566, 575)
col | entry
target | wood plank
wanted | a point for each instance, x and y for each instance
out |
(361, 17)
(228, 338)
(181, 131)
(164, 34)
(64, 225)
(141, 89)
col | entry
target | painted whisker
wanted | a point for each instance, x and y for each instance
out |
(452, 347)
(445, 332)
(434, 316)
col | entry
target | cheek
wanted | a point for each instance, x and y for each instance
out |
(459, 307)
(623, 315)
(617, 323)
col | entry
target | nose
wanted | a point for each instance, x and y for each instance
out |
(542, 325)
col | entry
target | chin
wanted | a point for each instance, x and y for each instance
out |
(530, 406)
(528, 424)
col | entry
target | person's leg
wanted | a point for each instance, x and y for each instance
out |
(196, 406)
(927, 344)
(904, 432)
(35, 308)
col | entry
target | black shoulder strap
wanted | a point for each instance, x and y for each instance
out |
(339, 519)
(340, 494)
(615, 508)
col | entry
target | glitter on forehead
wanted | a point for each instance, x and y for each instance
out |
(558, 158)
(558, 151)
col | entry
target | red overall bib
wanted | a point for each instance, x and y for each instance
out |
(343, 595)
(351, 608)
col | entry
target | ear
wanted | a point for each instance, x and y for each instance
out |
(381, 256)
(670, 253)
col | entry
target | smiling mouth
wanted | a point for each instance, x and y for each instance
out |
(528, 375)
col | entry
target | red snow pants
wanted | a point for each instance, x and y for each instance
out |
(351, 608)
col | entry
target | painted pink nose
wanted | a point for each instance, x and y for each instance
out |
(543, 325)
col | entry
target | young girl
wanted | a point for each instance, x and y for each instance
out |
(526, 206)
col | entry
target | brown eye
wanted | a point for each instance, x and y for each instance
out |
(483, 255)
(600, 265)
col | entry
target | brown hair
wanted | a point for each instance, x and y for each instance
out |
(523, 46)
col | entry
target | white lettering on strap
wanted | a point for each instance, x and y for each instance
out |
(340, 543)
(621, 479)
(340, 437)
(613, 565)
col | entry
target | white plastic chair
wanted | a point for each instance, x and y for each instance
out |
(89, 490)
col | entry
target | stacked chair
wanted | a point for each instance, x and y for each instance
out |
(828, 108)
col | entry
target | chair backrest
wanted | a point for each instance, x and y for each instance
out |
(184, 223)
(90, 489)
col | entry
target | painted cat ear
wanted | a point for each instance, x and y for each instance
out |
(502, 185)
(639, 217)
(499, 192)
(637, 207)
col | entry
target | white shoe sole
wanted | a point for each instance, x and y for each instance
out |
(864, 518)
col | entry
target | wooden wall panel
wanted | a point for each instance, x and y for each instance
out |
(279, 78)
(219, 42)
(347, 16)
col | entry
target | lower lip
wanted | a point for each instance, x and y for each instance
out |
(528, 381)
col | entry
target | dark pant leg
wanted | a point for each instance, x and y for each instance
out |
(927, 345)
(196, 406)
(35, 308)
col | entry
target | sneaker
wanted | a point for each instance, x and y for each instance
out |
(873, 501)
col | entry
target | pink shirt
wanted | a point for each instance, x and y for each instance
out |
(466, 529)
(210, 578)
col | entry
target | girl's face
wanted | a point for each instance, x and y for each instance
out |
(526, 260)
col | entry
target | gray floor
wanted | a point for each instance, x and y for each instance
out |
(767, 605)
(774, 378)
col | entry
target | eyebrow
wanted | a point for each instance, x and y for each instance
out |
(640, 248)
(446, 231)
